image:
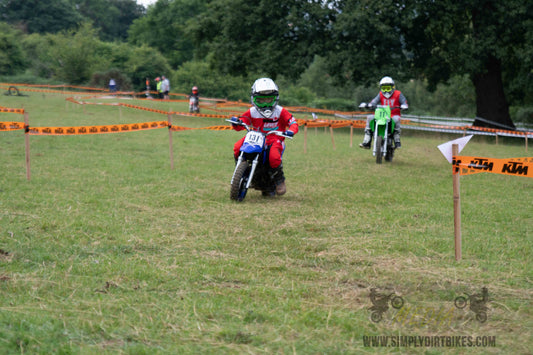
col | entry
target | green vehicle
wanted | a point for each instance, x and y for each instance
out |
(382, 126)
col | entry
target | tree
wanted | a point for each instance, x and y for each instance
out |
(485, 39)
(112, 17)
(242, 37)
(37, 16)
(145, 62)
(74, 55)
(165, 28)
(367, 41)
(12, 58)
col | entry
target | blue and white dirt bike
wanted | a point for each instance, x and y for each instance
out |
(252, 167)
(382, 127)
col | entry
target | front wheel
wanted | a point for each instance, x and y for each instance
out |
(240, 180)
(460, 302)
(376, 316)
(390, 152)
(379, 147)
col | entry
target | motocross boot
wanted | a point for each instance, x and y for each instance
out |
(278, 178)
(367, 140)
(396, 135)
(268, 193)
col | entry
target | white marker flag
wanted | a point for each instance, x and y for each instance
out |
(446, 148)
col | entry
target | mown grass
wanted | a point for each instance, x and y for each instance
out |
(108, 250)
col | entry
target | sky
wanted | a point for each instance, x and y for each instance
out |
(146, 2)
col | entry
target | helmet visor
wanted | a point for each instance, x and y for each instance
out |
(386, 88)
(264, 100)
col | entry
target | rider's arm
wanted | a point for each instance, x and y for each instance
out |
(375, 101)
(403, 100)
(292, 124)
(246, 118)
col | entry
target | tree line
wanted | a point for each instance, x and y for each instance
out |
(472, 58)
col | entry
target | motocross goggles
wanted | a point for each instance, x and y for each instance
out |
(264, 100)
(386, 88)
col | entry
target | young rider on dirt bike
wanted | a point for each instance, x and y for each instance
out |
(265, 116)
(387, 96)
(193, 100)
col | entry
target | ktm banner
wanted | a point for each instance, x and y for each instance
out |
(97, 129)
(11, 126)
(512, 166)
(12, 110)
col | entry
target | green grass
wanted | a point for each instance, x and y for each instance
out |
(108, 250)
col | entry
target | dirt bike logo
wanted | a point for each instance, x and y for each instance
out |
(380, 304)
(477, 304)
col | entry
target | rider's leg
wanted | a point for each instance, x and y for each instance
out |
(397, 131)
(276, 168)
(237, 148)
(367, 140)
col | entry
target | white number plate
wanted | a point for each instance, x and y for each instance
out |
(254, 138)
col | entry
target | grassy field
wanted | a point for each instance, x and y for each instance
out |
(107, 250)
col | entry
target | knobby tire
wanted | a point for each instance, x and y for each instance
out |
(238, 187)
(379, 152)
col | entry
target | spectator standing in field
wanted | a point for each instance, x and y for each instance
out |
(147, 87)
(165, 87)
(112, 85)
(158, 87)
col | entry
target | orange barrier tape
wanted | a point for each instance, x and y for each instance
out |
(12, 110)
(213, 128)
(332, 123)
(200, 115)
(145, 108)
(97, 129)
(52, 86)
(11, 126)
(493, 130)
(465, 165)
(225, 103)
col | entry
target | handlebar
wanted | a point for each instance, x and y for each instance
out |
(250, 128)
(364, 105)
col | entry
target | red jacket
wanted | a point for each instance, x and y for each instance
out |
(393, 102)
(281, 120)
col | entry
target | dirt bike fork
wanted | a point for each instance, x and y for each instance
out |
(251, 176)
(237, 163)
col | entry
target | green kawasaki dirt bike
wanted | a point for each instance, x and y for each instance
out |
(382, 127)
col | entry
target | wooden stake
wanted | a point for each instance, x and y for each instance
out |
(456, 206)
(305, 139)
(27, 141)
(351, 135)
(170, 141)
(331, 133)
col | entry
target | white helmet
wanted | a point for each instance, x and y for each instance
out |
(265, 96)
(386, 85)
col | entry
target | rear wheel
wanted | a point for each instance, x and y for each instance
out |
(379, 147)
(240, 180)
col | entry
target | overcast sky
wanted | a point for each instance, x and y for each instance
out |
(146, 2)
